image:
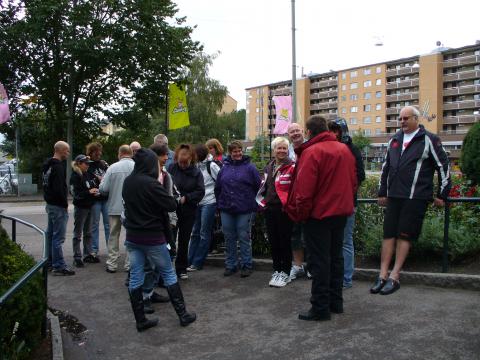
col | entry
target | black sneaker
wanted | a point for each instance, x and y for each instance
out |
(111, 271)
(89, 259)
(65, 272)
(95, 259)
(229, 272)
(246, 272)
(78, 263)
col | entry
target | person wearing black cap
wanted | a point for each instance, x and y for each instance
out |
(83, 190)
(340, 128)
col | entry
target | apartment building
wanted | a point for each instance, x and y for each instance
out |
(443, 84)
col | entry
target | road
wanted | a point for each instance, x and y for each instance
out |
(245, 319)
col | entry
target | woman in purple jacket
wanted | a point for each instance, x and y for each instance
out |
(235, 189)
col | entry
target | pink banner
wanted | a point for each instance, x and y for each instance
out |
(283, 109)
(4, 110)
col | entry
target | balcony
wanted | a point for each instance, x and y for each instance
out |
(461, 119)
(324, 95)
(324, 105)
(462, 75)
(461, 90)
(463, 60)
(402, 84)
(393, 110)
(402, 97)
(392, 124)
(457, 105)
(403, 71)
(281, 92)
(323, 83)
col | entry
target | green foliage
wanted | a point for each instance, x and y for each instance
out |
(470, 157)
(256, 154)
(360, 140)
(89, 60)
(21, 317)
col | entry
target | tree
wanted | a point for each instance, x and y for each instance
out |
(360, 140)
(84, 61)
(470, 157)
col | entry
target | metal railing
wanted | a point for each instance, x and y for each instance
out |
(40, 265)
(446, 223)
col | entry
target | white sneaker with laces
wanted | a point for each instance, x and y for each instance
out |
(191, 268)
(281, 280)
(285, 277)
(274, 278)
(296, 272)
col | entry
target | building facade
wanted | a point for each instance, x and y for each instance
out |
(444, 85)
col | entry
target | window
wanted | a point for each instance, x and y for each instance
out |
(344, 87)
(353, 74)
(378, 70)
(353, 121)
(378, 94)
(344, 110)
(378, 82)
(367, 83)
(378, 131)
(257, 110)
(353, 85)
(367, 120)
(378, 119)
(354, 109)
(353, 97)
(368, 132)
(477, 52)
(476, 82)
(367, 71)
(366, 107)
(378, 106)
(344, 98)
(367, 95)
(344, 76)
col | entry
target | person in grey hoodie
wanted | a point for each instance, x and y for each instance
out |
(205, 214)
(111, 186)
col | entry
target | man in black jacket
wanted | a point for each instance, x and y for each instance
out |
(406, 188)
(55, 192)
(340, 129)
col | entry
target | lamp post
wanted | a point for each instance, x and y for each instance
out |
(294, 68)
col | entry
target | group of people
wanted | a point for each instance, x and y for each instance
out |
(168, 202)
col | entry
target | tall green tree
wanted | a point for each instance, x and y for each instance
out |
(83, 61)
(470, 157)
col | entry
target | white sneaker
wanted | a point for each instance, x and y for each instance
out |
(309, 276)
(282, 280)
(285, 277)
(191, 268)
(297, 272)
(273, 281)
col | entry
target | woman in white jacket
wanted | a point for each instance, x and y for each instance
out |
(205, 215)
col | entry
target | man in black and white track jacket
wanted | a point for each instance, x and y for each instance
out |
(406, 188)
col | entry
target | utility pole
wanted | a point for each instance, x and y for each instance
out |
(294, 68)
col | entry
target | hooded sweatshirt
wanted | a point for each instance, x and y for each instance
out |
(146, 201)
(189, 183)
(55, 189)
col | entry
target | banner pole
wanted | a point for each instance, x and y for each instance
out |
(166, 111)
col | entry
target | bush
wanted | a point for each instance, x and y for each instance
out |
(21, 317)
(470, 157)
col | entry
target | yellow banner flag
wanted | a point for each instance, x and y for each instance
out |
(177, 108)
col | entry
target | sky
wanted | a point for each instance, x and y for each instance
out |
(254, 36)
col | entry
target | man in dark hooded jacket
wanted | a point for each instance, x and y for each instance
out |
(147, 204)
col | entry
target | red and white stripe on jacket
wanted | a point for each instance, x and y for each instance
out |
(283, 180)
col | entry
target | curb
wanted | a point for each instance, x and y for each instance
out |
(449, 281)
(57, 343)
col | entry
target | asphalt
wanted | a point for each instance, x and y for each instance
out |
(245, 319)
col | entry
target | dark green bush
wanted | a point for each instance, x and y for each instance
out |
(21, 317)
(470, 157)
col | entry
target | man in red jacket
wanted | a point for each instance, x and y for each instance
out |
(324, 183)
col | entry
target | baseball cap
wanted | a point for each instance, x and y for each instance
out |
(83, 158)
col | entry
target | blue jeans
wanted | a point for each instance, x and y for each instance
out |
(159, 259)
(201, 235)
(56, 229)
(236, 228)
(99, 208)
(348, 251)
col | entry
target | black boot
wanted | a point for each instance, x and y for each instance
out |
(157, 298)
(136, 299)
(147, 306)
(176, 298)
(127, 280)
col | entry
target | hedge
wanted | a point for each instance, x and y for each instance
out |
(21, 317)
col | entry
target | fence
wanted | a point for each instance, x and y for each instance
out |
(446, 223)
(40, 265)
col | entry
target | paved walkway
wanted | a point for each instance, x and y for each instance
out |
(245, 319)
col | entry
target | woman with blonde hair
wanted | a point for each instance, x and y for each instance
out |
(84, 191)
(215, 149)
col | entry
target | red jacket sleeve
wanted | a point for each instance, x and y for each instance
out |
(308, 175)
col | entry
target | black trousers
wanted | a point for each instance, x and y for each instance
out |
(324, 243)
(279, 231)
(186, 219)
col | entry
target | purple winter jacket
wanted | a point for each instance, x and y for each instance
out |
(237, 185)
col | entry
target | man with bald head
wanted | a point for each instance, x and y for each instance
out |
(406, 188)
(55, 191)
(111, 186)
(135, 146)
(161, 139)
